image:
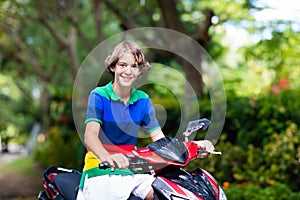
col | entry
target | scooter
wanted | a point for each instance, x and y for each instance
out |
(164, 159)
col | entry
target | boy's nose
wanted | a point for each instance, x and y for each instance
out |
(128, 70)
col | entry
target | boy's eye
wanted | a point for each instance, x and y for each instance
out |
(123, 65)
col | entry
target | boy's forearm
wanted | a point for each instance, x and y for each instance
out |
(157, 134)
(92, 141)
(95, 146)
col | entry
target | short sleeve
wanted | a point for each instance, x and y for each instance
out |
(150, 122)
(94, 108)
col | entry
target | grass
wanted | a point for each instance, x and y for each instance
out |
(23, 165)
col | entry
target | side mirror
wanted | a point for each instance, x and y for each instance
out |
(196, 125)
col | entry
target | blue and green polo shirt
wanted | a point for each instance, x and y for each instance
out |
(120, 124)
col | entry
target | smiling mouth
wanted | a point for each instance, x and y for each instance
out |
(128, 78)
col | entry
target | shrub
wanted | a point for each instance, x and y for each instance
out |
(276, 191)
(252, 120)
(61, 148)
(276, 162)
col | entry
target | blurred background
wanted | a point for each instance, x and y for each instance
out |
(254, 43)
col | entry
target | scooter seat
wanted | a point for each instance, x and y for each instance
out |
(67, 184)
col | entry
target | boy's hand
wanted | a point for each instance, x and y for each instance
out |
(117, 160)
(205, 145)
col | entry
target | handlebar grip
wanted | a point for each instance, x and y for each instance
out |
(210, 152)
(133, 163)
(104, 165)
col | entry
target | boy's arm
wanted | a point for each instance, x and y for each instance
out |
(93, 143)
(156, 135)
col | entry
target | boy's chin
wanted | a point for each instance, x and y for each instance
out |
(126, 83)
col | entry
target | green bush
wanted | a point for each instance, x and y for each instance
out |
(276, 191)
(252, 120)
(276, 162)
(281, 158)
(61, 148)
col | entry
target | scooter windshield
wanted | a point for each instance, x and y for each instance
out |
(170, 148)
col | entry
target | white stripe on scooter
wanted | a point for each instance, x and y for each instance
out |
(187, 193)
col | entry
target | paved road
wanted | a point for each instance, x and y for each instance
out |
(6, 158)
(15, 185)
(14, 152)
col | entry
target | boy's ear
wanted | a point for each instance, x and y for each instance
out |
(112, 68)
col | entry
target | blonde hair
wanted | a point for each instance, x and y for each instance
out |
(123, 48)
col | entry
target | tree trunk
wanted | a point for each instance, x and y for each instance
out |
(172, 21)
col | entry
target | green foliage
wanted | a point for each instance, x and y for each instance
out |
(43, 43)
(276, 162)
(24, 165)
(281, 158)
(61, 145)
(276, 191)
(252, 120)
(18, 111)
(230, 11)
(62, 148)
(275, 57)
(260, 142)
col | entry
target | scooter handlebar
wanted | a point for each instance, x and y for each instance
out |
(133, 162)
(210, 152)
(136, 163)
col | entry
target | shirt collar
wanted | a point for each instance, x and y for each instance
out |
(114, 96)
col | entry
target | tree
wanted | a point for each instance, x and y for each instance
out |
(37, 43)
(48, 40)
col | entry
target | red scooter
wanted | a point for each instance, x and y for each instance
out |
(164, 159)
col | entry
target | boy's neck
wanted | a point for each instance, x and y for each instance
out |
(123, 92)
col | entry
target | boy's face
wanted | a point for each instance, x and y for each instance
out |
(126, 70)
